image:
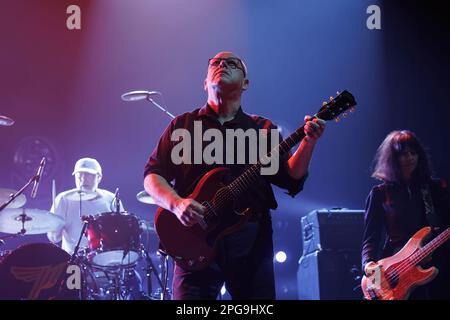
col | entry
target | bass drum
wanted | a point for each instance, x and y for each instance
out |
(4, 254)
(36, 271)
(112, 284)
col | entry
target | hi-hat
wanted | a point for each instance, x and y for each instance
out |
(5, 195)
(77, 195)
(5, 121)
(144, 197)
(33, 221)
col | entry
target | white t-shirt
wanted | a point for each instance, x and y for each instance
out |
(69, 210)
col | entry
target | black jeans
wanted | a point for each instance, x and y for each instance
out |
(244, 263)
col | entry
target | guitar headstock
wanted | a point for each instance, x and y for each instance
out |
(338, 105)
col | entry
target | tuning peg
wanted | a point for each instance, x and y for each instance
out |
(324, 103)
(331, 98)
(337, 93)
(337, 119)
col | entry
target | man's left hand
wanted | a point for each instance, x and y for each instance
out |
(313, 128)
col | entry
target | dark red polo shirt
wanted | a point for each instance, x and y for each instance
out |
(185, 176)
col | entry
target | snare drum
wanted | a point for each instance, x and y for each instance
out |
(36, 271)
(114, 239)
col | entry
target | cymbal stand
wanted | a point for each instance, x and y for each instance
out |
(23, 218)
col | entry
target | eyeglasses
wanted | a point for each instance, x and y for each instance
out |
(233, 63)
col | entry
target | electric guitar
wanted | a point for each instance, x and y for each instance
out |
(395, 277)
(194, 248)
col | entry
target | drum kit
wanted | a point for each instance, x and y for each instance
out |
(107, 269)
(108, 266)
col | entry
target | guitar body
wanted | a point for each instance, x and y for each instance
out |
(194, 248)
(394, 285)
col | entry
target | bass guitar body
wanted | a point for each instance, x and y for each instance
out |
(393, 278)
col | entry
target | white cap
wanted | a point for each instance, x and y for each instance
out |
(87, 165)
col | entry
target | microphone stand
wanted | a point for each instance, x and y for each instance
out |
(117, 201)
(152, 269)
(73, 257)
(158, 106)
(77, 247)
(23, 216)
(12, 197)
(79, 209)
(165, 273)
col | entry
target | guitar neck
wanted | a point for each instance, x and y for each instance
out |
(246, 179)
(430, 247)
(330, 110)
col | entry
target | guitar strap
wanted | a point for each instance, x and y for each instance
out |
(430, 213)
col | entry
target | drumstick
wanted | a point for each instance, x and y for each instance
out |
(53, 192)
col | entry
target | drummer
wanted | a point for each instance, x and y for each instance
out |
(86, 197)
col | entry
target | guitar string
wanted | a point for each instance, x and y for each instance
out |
(240, 185)
(284, 146)
(416, 257)
(404, 266)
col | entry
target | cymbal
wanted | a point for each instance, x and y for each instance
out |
(35, 221)
(17, 203)
(144, 197)
(84, 195)
(5, 121)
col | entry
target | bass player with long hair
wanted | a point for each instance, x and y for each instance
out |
(407, 200)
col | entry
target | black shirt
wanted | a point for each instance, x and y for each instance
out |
(186, 175)
(398, 211)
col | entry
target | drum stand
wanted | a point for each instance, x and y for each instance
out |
(117, 295)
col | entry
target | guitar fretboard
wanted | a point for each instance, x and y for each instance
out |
(243, 182)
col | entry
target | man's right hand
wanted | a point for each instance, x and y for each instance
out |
(188, 211)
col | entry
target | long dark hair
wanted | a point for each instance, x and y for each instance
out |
(387, 166)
